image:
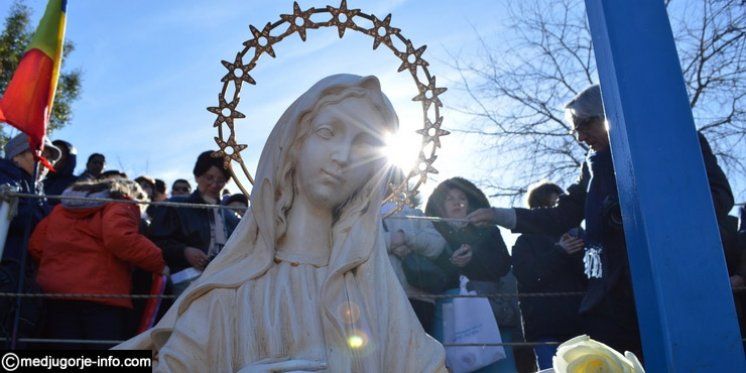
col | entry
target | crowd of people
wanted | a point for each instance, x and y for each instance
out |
(88, 242)
(572, 241)
(554, 254)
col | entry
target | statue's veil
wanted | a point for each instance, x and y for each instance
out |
(359, 274)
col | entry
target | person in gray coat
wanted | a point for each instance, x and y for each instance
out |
(404, 237)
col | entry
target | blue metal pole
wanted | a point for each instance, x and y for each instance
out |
(683, 297)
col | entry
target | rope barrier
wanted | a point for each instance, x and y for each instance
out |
(60, 341)
(115, 342)
(5, 194)
(148, 296)
(503, 295)
(506, 344)
(79, 295)
(431, 296)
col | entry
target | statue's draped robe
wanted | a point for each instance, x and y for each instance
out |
(253, 304)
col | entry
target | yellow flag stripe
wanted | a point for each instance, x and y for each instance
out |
(57, 60)
(50, 33)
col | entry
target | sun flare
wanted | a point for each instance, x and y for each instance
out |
(401, 149)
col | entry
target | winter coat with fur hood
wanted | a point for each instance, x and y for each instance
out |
(91, 247)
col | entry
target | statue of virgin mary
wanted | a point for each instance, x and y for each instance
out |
(304, 283)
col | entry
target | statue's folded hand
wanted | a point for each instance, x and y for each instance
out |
(284, 365)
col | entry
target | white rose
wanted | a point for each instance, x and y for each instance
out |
(582, 354)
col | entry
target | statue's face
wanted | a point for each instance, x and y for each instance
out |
(341, 153)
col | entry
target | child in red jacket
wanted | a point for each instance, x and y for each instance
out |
(90, 247)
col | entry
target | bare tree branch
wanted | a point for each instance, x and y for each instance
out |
(517, 89)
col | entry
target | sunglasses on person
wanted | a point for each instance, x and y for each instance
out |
(180, 189)
(582, 126)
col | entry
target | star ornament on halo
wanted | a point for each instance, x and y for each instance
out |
(402, 195)
(385, 28)
(432, 132)
(262, 41)
(425, 166)
(429, 94)
(229, 150)
(302, 17)
(412, 58)
(226, 113)
(342, 17)
(238, 72)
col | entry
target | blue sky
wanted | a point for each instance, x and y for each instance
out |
(151, 68)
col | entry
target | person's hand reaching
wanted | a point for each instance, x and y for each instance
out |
(493, 216)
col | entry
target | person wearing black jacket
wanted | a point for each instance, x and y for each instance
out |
(545, 263)
(608, 307)
(478, 253)
(56, 182)
(191, 237)
(16, 174)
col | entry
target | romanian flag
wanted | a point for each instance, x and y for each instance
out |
(27, 102)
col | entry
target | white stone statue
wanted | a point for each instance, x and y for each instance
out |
(304, 283)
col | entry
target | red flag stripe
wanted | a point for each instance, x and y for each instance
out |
(25, 102)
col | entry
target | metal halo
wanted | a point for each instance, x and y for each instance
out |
(343, 19)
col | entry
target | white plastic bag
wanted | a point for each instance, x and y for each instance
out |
(470, 320)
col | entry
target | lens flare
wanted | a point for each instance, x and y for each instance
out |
(350, 312)
(356, 341)
(359, 342)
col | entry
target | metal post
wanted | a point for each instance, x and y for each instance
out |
(683, 297)
(8, 207)
(22, 269)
